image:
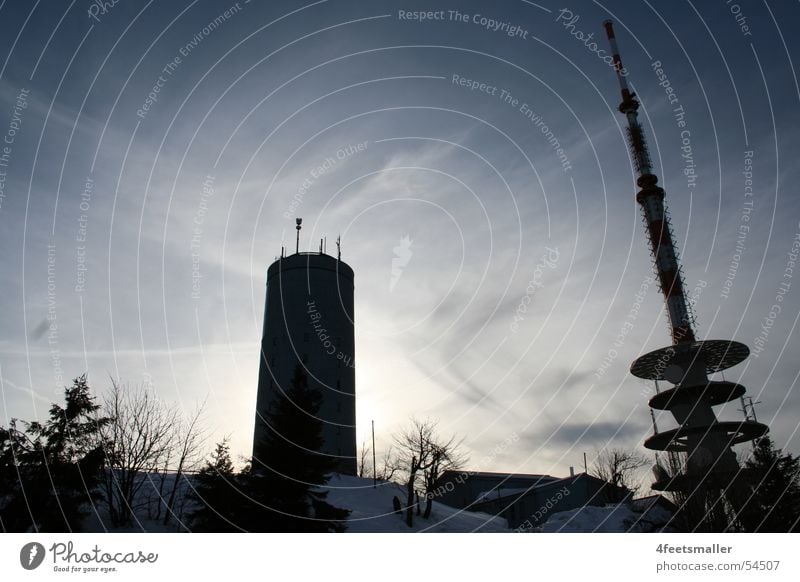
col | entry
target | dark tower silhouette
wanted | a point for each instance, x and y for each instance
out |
(308, 320)
(708, 465)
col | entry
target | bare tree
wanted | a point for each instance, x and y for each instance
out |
(364, 462)
(446, 455)
(390, 465)
(423, 454)
(189, 439)
(619, 467)
(145, 436)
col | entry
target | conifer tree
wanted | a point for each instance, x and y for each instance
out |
(50, 471)
(284, 483)
(774, 483)
(216, 493)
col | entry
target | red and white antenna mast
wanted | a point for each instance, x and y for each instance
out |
(710, 465)
(651, 199)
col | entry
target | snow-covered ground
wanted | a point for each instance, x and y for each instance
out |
(608, 519)
(372, 510)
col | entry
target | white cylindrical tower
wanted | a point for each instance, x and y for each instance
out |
(308, 320)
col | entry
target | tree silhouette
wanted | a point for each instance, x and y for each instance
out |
(618, 467)
(284, 482)
(214, 488)
(774, 485)
(49, 472)
(422, 452)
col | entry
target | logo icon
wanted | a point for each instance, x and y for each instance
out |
(31, 555)
(402, 255)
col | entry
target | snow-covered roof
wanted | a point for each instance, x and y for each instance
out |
(498, 492)
(490, 474)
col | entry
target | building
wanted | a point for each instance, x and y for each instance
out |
(464, 489)
(308, 320)
(525, 501)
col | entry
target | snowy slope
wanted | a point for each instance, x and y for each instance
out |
(608, 519)
(372, 510)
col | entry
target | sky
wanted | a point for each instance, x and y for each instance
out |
(156, 155)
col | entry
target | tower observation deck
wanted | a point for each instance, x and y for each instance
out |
(709, 463)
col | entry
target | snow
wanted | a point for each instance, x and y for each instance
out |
(500, 492)
(372, 510)
(150, 507)
(620, 518)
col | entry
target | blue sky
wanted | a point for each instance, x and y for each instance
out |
(148, 101)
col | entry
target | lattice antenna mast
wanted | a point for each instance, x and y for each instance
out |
(710, 463)
(651, 199)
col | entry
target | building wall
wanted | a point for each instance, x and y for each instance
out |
(308, 319)
(533, 508)
(461, 489)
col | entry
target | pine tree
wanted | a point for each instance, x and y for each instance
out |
(51, 470)
(284, 483)
(216, 493)
(774, 483)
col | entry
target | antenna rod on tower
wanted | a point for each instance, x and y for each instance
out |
(651, 199)
(299, 222)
